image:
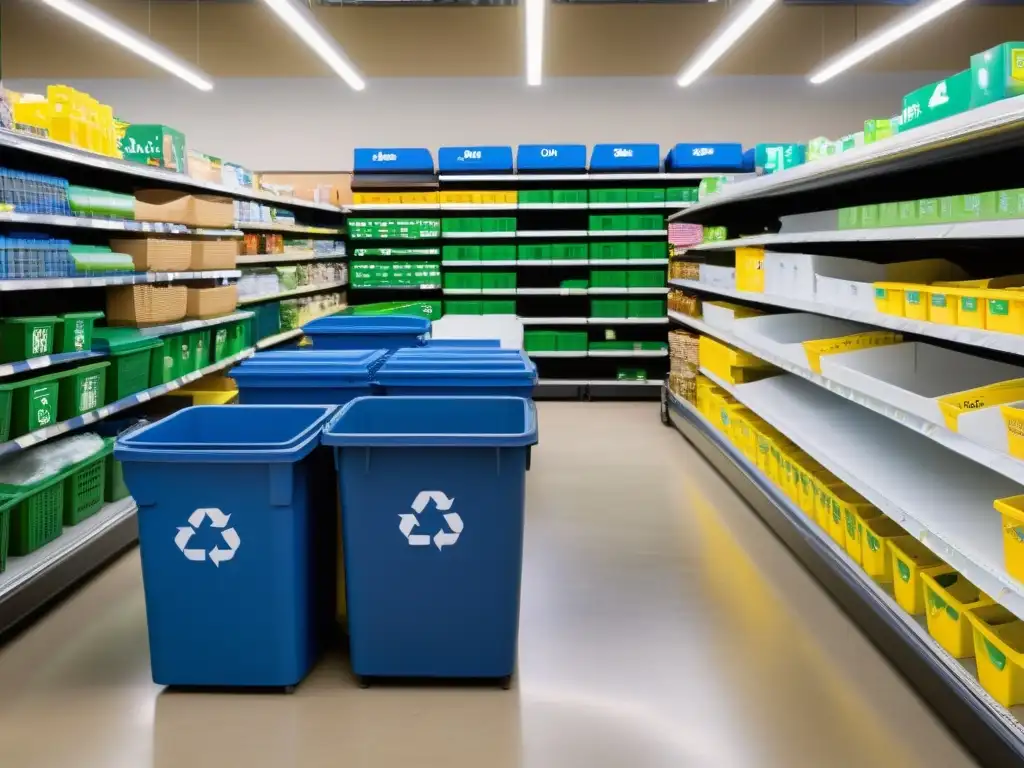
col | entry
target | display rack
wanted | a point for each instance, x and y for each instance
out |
(29, 582)
(935, 481)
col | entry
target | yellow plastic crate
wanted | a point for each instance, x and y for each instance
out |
(715, 356)
(943, 304)
(376, 198)
(209, 390)
(419, 198)
(807, 469)
(750, 269)
(1013, 418)
(948, 596)
(916, 302)
(911, 558)
(999, 650)
(970, 312)
(823, 498)
(875, 557)
(762, 457)
(512, 197)
(464, 198)
(726, 411)
(952, 406)
(842, 499)
(742, 433)
(815, 350)
(1004, 311)
(1012, 510)
(776, 453)
(855, 515)
(889, 297)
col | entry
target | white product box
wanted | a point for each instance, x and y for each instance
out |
(783, 335)
(718, 277)
(913, 376)
(849, 294)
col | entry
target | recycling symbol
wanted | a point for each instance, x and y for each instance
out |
(407, 522)
(218, 520)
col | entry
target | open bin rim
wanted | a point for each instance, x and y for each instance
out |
(335, 434)
(367, 325)
(138, 445)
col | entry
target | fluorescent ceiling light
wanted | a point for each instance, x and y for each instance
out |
(724, 39)
(884, 37)
(114, 30)
(304, 24)
(534, 40)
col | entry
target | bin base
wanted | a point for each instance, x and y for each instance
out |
(365, 681)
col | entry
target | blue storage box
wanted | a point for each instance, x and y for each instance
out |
(367, 331)
(474, 159)
(229, 540)
(432, 497)
(557, 158)
(333, 380)
(458, 374)
(705, 157)
(392, 160)
(625, 157)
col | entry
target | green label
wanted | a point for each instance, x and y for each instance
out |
(879, 293)
(79, 335)
(89, 395)
(851, 526)
(953, 613)
(968, 304)
(939, 300)
(42, 406)
(873, 543)
(904, 570)
(837, 513)
(914, 297)
(995, 656)
(935, 603)
(998, 307)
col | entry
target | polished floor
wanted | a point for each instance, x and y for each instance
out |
(662, 627)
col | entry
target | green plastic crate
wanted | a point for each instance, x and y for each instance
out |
(498, 280)
(6, 398)
(608, 278)
(646, 308)
(534, 252)
(38, 516)
(463, 280)
(34, 404)
(607, 196)
(7, 504)
(631, 374)
(85, 486)
(575, 196)
(130, 355)
(579, 284)
(569, 252)
(466, 224)
(645, 221)
(609, 251)
(646, 278)
(609, 223)
(22, 338)
(498, 253)
(681, 195)
(535, 196)
(184, 353)
(645, 195)
(461, 253)
(463, 307)
(608, 308)
(540, 341)
(498, 224)
(201, 339)
(642, 250)
(83, 389)
(608, 346)
(73, 331)
(498, 307)
(219, 342)
(572, 341)
(114, 488)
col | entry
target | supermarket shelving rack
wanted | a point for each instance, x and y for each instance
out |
(972, 152)
(31, 582)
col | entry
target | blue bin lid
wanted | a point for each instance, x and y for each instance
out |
(368, 325)
(367, 357)
(458, 372)
(344, 369)
(464, 343)
(410, 422)
(229, 434)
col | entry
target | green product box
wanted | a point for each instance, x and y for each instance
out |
(646, 278)
(647, 251)
(772, 158)
(580, 284)
(645, 195)
(819, 148)
(463, 281)
(155, 145)
(498, 307)
(536, 196)
(928, 210)
(997, 73)
(680, 195)
(463, 308)
(947, 208)
(940, 99)
(888, 214)
(540, 341)
(498, 224)
(645, 308)
(534, 252)
(878, 129)
(609, 223)
(869, 216)
(605, 251)
(498, 253)
(572, 341)
(608, 278)
(608, 196)
(631, 374)
(715, 234)
(1010, 203)
(466, 225)
(907, 214)
(452, 225)
(569, 252)
(849, 218)
(607, 308)
(498, 280)
(979, 206)
(645, 221)
(575, 196)
(461, 253)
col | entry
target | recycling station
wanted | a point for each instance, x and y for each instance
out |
(426, 443)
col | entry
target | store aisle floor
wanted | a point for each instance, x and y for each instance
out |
(662, 626)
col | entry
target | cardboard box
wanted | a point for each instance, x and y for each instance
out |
(204, 167)
(997, 73)
(212, 254)
(142, 305)
(153, 254)
(182, 208)
(155, 145)
(211, 302)
(940, 99)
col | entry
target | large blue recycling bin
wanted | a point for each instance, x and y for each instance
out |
(458, 374)
(432, 496)
(229, 540)
(366, 331)
(333, 377)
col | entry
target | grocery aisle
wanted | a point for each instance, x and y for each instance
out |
(662, 625)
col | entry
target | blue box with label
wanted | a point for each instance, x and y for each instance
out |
(625, 157)
(705, 157)
(551, 157)
(474, 159)
(392, 160)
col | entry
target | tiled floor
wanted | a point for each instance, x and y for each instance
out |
(662, 626)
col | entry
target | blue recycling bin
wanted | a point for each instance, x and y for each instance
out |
(229, 541)
(366, 331)
(432, 497)
(458, 374)
(328, 377)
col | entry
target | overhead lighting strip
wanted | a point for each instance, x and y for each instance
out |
(729, 33)
(304, 24)
(535, 10)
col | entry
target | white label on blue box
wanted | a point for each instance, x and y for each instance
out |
(620, 152)
(472, 154)
(384, 157)
(546, 152)
(703, 151)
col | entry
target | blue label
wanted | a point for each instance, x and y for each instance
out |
(392, 160)
(551, 157)
(620, 157)
(724, 157)
(472, 159)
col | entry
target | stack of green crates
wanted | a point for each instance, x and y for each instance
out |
(608, 308)
(395, 274)
(28, 402)
(479, 224)
(22, 338)
(548, 196)
(569, 252)
(609, 251)
(555, 341)
(645, 278)
(73, 331)
(608, 278)
(394, 229)
(131, 356)
(681, 195)
(85, 486)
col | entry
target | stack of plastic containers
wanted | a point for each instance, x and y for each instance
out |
(332, 377)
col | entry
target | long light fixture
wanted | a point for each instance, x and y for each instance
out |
(142, 46)
(884, 37)
(731, 31)
(534, 40)
(304, 24)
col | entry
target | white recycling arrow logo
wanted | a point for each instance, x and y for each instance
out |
(218, 520)
(407, 522)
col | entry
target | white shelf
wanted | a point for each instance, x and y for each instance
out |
(553, 263)
(1002, 342)
(81, 157)
(478, 264)
(630, 291)
(563, 382)
(551, 291)
(272, 226)
(627, 262)
(480, 291)
(511, 177)
(294, 292)
(281, 258)
(627, 353)
(192, 325)
(553, 320)
(278, 338)
(997, 461)
(627, 320)
(111, 225)
(551, 233)
(51, 283)
(906, 475)
(626, 382)
(627, 232)
(581, 353)
(625, 206)
(478, 235)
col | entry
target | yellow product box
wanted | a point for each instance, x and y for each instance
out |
(999, 651)
(464, 198)
(742, 433)
(856, 511)
(376, 198)
(511, 197)
(419, 198)
(911, 558)
(763, 446)
(843, 500)
(915, 302)
(726, 412)
(816, 349)
(820, 480)
(1004, 310)
(948, 596)
(1013, 418)
(780, 446)
(807, 468)
(1012, 510)
(889, 297)
(952, 406)
(943, 304)
(823, 498)
(750, 269)
(875, 557)
(970, 311)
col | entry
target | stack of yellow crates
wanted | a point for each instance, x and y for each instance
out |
(730, 364)
(70, 117)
